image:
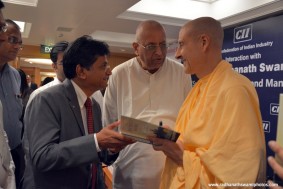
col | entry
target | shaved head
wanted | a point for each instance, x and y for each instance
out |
(208, 26)
(200, 44)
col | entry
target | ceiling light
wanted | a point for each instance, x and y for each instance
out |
(205, 1)
(21, 25)
(185, 10)
(24, 28)
(32, 3)
(39, 61)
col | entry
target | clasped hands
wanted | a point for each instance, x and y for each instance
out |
(109, 138)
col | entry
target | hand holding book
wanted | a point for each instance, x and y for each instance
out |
(141, 130)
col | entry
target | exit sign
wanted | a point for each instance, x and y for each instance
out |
(45, 49)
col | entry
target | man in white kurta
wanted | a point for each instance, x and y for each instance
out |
(134, 92)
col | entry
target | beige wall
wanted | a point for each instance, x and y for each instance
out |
(34, 52)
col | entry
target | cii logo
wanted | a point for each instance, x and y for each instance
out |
(266, 126)
(274, 109)
(243, 33)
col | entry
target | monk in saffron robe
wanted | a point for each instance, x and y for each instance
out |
(222, 141)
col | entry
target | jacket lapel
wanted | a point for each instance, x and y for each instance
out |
(73, 103)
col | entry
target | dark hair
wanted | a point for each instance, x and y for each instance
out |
(11, 22)
(47, 80)
(84, 51)
(1, 4)
(58, 47)
(24, 83)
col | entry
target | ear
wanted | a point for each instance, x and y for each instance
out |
(54, 66)
(205, 41)
(80, 71)
(135, 47)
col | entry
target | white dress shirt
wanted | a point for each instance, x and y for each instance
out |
(82, 99)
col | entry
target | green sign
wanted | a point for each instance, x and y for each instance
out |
(45, 49)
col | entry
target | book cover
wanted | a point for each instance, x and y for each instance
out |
(140, 130)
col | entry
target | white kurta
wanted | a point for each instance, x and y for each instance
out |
(156, 97)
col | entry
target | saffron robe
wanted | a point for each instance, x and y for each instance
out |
(221, 129)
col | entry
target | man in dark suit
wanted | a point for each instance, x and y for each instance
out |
(61, 149)
(31, 85)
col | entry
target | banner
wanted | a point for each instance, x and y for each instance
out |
(256, 51)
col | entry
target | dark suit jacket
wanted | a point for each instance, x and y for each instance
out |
(60, 154)
(33, 86)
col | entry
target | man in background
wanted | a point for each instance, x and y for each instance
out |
(47, 80)
(149, 87)
(222, 139)
(7, 167)
(56, 56)
(10, 95)
(31, 85)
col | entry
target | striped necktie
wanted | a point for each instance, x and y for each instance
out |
(90, 128)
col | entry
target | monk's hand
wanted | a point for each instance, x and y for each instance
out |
(173, 150)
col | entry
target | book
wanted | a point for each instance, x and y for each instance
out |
(140, 130)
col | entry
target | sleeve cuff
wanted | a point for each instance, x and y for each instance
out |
(96, 143)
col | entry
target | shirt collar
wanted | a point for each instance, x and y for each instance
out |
(80, 94)
(5, 68)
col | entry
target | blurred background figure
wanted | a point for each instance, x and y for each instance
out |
(7, 176)
(31, 85)
(10, 94)
(56, 56)
(25, 89)
(47, 80)
(25, 94)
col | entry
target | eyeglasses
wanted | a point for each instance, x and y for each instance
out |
(13, 40)
(3, 28)
(153, 48)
